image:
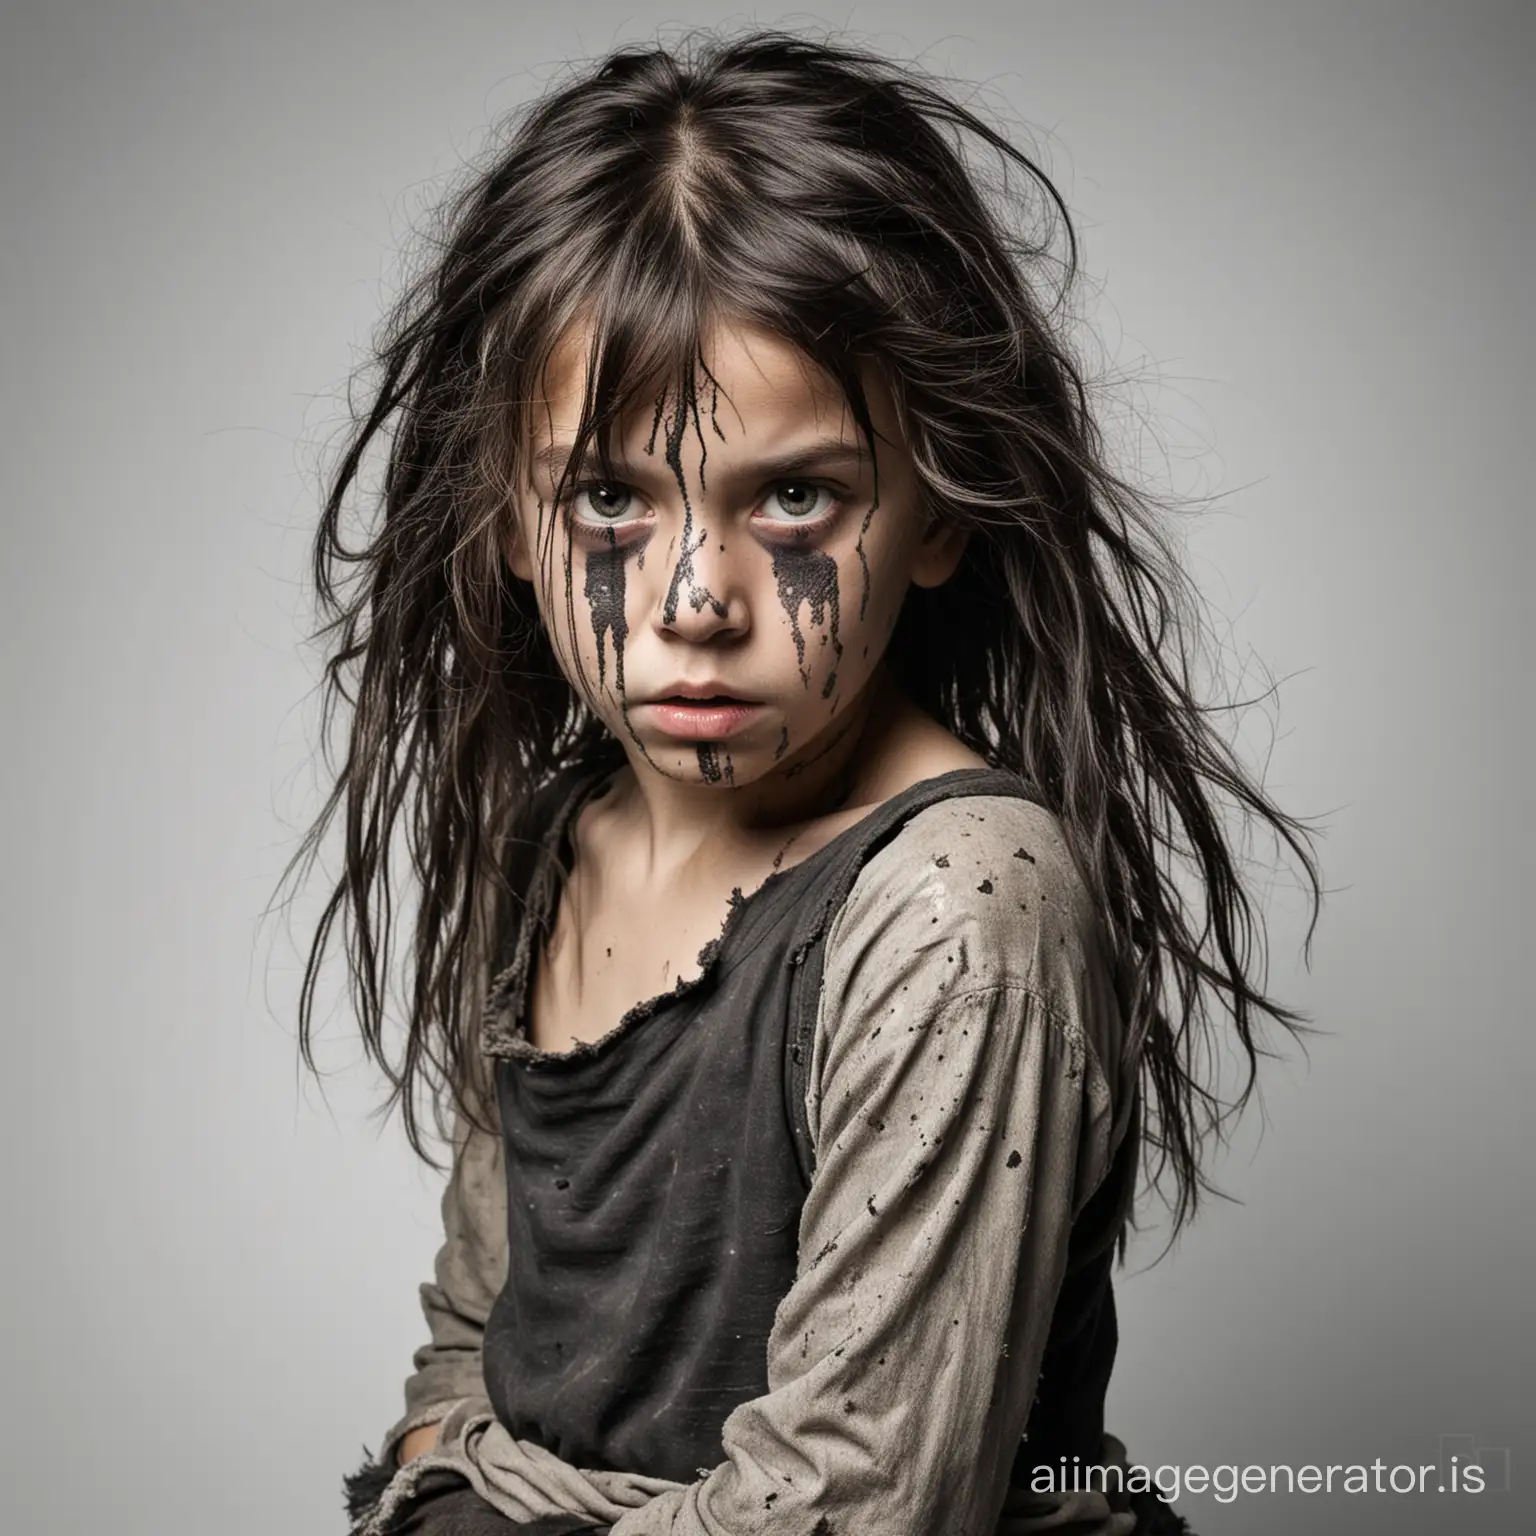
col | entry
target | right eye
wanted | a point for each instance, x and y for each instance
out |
(596, 502)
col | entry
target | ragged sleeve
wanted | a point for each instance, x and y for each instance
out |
(468, 1275)
(961, 1116)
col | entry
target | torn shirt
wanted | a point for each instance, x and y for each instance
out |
(964, 1104)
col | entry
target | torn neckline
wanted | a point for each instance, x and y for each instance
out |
(504, 1019)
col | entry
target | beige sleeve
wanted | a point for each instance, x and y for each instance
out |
(961, 1119)
(468, 1274)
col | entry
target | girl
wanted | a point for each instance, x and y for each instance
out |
(784, 709)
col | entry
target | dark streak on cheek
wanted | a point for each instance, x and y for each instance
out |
(783, 745)
(863, 558)
(570, 569)
(605, 600)
(604, 591)
(709, 764)
(806, 575)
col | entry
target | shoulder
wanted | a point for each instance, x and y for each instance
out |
(974, 892)
(992, 872)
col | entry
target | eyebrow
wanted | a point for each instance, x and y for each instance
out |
(824, 454)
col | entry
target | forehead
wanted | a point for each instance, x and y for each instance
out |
(749, 386)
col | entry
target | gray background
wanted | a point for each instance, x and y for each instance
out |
(1311, 226)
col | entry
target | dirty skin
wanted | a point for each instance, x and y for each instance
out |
(803, 575)
(604, 592)
(806, 575)
(605, 589)
(858, 549)
(683, 574)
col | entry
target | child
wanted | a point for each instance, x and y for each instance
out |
(783, 707)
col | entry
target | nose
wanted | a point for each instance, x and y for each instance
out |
(702, 598)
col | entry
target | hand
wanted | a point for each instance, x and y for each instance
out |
(417, 1443)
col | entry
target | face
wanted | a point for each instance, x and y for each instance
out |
(724, 596)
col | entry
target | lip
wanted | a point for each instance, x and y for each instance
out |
(710, 688)
(701, 722)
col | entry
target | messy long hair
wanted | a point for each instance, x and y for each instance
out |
(850, 206)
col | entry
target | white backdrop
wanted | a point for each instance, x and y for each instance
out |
(1312, 226)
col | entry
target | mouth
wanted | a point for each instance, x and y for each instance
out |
(701, 716)
(699, 693)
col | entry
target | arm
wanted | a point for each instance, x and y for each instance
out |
(468, 1274)
(961, 1120)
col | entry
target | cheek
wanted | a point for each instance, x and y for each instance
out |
(557, 575)
(590, 602)
(841, 605)
(880, 575)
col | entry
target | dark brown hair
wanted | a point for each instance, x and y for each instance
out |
(852, 207)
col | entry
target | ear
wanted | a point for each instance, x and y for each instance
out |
(937, 557)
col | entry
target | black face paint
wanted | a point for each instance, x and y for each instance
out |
(709, 764)
(698, 594)
(714, 396)
(593, 602)
(604, 592)
(783, 745)
(806, 575)
(554, 527)
(858, 549)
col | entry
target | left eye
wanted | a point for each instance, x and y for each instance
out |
(602, 503)
(798, 501)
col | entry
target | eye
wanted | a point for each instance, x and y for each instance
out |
(798, 501)
(599, 502)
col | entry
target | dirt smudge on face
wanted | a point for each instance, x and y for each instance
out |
(683, 574)
(604, 592)
(807, 576)
(858, 549)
